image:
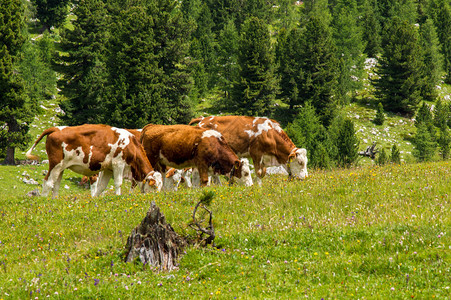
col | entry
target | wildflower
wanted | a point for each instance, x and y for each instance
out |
(96, 281)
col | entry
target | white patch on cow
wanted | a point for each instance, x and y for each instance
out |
(265, 126)
(124, 137)
(61, 127)
(171, 183)
(211, 133)
(246, 177)
(73, 160)
(200, 122)
(122, 142)
(298, 165)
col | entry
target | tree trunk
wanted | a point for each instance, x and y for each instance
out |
(155, 242)
(9, 159)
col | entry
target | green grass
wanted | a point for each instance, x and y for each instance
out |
(369, 233)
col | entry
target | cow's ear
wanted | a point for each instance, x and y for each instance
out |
(291, 157)
(170, 173)
(237, 164)
(152, 182)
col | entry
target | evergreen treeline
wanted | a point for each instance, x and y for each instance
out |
(128, 63)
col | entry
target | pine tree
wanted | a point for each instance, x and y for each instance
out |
(405, 10)
(319, 9)
(433, 60)
(35, 67)
(380, 116)
(348, 39)
(424, 117)
(288, 56)
(395, 156)
(256, 90)
(441, 114)
(307, 132)
(424, 145)
(440, 10)
(224, 10)
(347, 144)
(149, 79)
(286, 14)
(83, 64)
(444, 142)
(51, 12)
(228, 58)
(382, 158)
(371, 28)
(16, 109)
(318, 69)
(400, 68)
(205, 47)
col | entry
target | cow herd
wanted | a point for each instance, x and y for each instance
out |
(158, 156)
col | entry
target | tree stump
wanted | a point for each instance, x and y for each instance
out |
(155, 242)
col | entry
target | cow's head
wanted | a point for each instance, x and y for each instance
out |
(297, 164)
(153, 181)
(246, 178)
(237, 169)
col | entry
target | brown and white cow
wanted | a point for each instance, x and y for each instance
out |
(261, 139)
(90, 149)
(183, 146)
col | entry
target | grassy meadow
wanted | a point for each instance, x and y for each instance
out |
(367, 233)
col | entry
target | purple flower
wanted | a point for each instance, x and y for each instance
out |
(96, 281)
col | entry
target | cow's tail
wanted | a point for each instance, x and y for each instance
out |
(46, 132)
(195, 121)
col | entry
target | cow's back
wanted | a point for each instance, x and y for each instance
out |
(244, 132)
(233, 128)
(176, 143)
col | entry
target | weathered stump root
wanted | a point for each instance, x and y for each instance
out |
(209, 231)
(155, 242)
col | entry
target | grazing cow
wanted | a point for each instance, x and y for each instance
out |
(89, 149)
(183, 146)
(261, 139)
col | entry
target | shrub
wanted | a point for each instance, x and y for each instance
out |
(380, 116)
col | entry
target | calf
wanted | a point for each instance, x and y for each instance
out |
(90, 149)
(183, 146)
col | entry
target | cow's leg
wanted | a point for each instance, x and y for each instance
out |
(203, 174)
(216, 179)
(102, 182)
(196, 178)
(260, 170)
(50, 179)
(56, 185)
(187, 176)
(93, 185)
(118, 172)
